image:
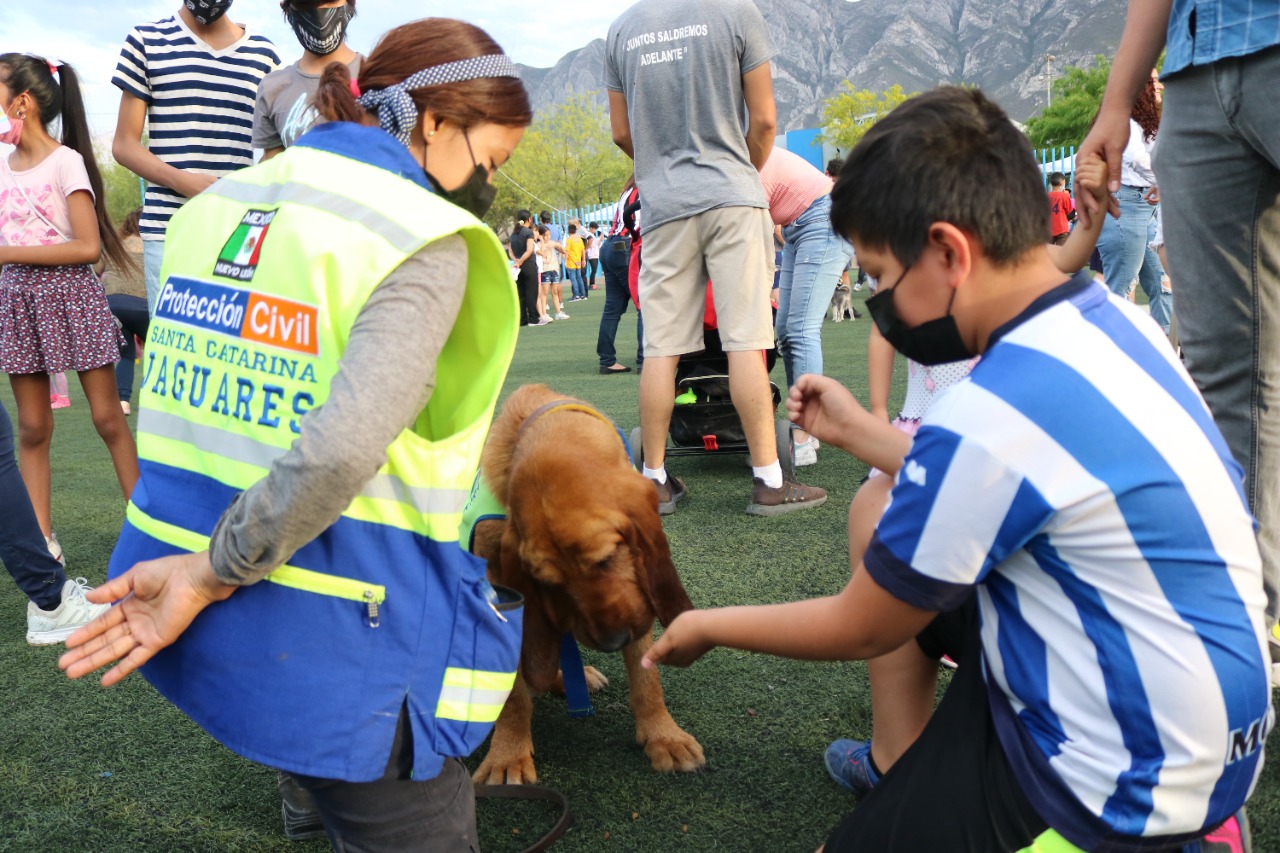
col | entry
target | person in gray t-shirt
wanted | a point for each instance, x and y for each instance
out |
(679, 76)
(283, 111)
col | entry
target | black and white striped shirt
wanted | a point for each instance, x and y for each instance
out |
(199, 104)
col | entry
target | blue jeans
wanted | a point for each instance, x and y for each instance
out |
(579, 283)
(152, 258)
(1218, 162)
(1126, 254)
(22, 546)
(132, 314)
(615, 258)
(812, 260)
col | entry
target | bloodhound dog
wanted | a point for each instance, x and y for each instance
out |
(584, 544)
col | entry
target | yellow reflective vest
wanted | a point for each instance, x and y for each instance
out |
(264, 276)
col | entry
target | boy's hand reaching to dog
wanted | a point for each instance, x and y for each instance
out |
(682, 643)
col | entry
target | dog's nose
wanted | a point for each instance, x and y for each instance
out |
(613, 642)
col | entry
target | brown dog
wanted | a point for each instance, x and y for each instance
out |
(584, 544)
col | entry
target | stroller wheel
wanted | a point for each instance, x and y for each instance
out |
(786, 446)
(637, 450)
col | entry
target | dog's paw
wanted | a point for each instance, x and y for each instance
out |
(675, 751)
(595, 679)
(511, 769)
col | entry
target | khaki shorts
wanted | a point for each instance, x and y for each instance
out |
(733, 247)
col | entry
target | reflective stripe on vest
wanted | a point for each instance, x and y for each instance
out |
(1051, 842)
(474, 696)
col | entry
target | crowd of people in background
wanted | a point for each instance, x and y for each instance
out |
(968, 545)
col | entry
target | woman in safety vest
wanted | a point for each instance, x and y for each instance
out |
(332, 333)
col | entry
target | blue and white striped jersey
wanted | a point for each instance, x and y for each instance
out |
(1077, 481)
(199, 104)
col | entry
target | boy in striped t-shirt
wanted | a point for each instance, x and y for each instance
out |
(1068, 525)
(190, 81)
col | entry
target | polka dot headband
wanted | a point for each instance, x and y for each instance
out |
(397, 113)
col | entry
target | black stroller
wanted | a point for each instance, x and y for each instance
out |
(704, 419)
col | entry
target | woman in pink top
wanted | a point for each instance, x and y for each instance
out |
(813, 258)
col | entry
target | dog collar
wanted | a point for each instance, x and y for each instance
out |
(573, 406)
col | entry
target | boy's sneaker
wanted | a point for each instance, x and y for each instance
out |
(670, 493)
(301, 820)
(46, 627)
(792, 495)
(806, 453)
(1232, 837)
(849, 763)
(560, 315)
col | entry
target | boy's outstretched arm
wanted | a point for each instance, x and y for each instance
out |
(862, 621)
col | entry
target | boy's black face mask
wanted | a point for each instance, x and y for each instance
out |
(932, 342)
(208, 11)
(320, 31)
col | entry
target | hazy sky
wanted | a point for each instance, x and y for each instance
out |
(89, 34)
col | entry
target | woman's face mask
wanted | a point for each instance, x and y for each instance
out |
(320, 31)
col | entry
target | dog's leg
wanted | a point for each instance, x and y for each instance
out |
(669, 747)
(596, 680)
(510, 757)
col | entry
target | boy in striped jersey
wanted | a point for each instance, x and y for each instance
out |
(1068, 525)
(190, 82)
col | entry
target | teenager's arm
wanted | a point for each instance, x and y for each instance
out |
(129, 152)
(620, 123)
(880, 354)
(81, 250)
(762, 127)
(863, 621)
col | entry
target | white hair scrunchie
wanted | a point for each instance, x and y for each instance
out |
(397, 113)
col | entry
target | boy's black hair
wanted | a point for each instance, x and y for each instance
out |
(1057, 178)
(523, 216)
(545, 216)
(593, 225)
(573, 229)
(834, 165)
(948, 155)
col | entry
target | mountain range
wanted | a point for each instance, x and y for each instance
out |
(999, 45)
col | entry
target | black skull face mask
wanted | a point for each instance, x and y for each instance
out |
(320, 31)
(208, 11)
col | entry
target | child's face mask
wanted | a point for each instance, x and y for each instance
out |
(10, 128)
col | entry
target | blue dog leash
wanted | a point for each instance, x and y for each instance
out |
(576, 695)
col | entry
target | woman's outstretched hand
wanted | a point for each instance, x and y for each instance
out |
(157, 601)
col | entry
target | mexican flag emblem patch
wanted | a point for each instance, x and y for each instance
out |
(239, 257)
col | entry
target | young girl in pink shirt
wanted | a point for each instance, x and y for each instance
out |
(53, 312)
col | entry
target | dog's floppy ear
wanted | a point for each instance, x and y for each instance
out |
(654, 568)
(540, 650)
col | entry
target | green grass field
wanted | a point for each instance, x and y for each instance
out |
(86, 769)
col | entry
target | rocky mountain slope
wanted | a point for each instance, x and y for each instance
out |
(998, 44)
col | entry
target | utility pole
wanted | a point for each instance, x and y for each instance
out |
(1049, 59)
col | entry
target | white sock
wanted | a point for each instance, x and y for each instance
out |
(771, 474)
(660, 474)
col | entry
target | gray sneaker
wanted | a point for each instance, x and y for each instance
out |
(47, 627)
(670, 493)
(792, 495)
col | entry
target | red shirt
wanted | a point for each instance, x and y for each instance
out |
(1060, 206)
